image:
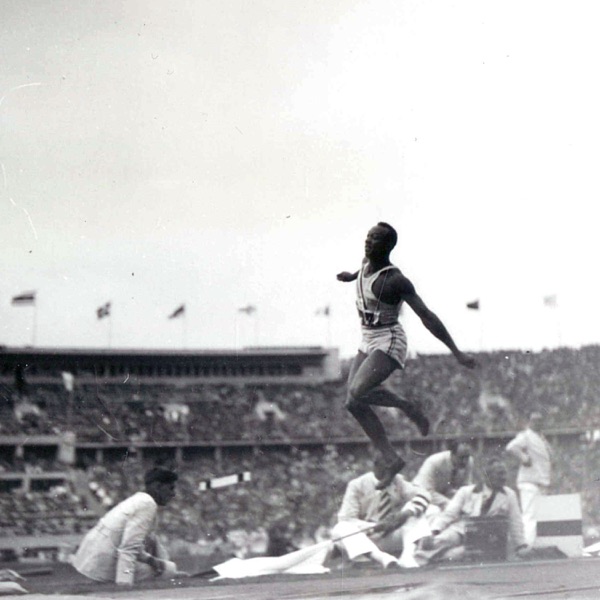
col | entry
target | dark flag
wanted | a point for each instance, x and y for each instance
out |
(24, 299)
(249, 310)
(103, 311)
(177, 312)
(473, 305)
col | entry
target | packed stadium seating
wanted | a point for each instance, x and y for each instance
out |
(563, 383)
(292, 481)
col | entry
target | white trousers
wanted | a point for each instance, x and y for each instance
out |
(399, 544)
(529, 494)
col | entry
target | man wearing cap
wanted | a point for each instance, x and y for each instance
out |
(122, 548)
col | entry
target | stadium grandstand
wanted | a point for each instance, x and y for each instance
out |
(78, 428)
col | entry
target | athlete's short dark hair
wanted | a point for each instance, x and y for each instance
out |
(392, 234)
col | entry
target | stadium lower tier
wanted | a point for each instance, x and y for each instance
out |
(303, 487)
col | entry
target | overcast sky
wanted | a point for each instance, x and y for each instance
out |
(233, 153)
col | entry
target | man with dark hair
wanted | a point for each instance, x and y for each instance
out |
(122, 547)
(381, 290)
(442, 473)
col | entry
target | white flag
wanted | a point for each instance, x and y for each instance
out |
(68, 381)
(303, 561)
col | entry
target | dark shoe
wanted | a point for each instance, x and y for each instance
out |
(390, 472)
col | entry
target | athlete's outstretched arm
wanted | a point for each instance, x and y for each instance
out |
(433, 323)
(346, 276)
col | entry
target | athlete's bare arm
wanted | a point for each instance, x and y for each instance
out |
(405, 290)
(346, 277)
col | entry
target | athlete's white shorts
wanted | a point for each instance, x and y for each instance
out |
(391, 340)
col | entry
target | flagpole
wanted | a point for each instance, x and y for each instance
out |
(551, 302)
(184, 329)
(476, 307)
(110, 330)
(252, 312)
(34, 326)
(235, 331)
(558, 326)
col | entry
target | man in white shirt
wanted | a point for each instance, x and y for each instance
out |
(442, 473)
(381, 525)
(122, 548)
(534, 455)
(491, 498)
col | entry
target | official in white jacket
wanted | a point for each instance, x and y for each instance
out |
(442, 473)
(122, 547)
(490, 498)
(381, 525)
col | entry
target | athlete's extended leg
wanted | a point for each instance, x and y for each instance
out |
(379, 364)
(366, 373)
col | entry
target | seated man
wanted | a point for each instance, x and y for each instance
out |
(442, 473)
(381, 524)
(490, 499)
(122, 548)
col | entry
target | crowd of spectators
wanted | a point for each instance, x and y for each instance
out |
(300, 487)
(53, 512)
(289, 484)
(564, 383)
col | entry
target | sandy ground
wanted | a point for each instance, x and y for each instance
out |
(576, 579)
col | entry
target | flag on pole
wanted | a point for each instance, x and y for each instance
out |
(103, 311)
(177, 312)
(473, 305)
(324, 311)
(551, 301)
(24, 299)
(249, 310)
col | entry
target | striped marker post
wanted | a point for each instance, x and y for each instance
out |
(225, 481)
(559, 523)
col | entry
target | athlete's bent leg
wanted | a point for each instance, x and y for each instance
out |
(367, 387)
(366, 373)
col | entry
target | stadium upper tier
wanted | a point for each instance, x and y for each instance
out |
(43, 365)
(563, 383)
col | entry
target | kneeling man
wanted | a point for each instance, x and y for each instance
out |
(122, 547)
